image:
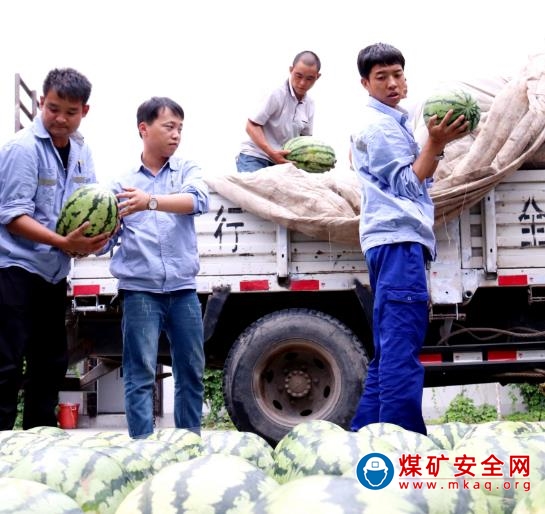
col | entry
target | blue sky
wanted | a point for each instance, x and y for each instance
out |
(218, 58)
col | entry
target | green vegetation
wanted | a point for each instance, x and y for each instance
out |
(463, 408)
(217, 417)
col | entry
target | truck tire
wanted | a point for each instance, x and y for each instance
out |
(292, 366)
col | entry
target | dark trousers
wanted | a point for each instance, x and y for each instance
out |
(394, 384)
(32, 328)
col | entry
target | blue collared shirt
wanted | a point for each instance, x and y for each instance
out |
(158, 250)
(396, 206)
(33, 181)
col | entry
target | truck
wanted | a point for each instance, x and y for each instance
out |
(288, 317)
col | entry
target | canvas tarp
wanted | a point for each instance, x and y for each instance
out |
(326, 206)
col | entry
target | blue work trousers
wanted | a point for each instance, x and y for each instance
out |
(145, 316)
(394, 384)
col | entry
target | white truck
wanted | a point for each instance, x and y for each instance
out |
(288, 317)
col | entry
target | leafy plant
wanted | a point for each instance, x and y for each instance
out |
(217, 417)
(533, 397)
(464, 410)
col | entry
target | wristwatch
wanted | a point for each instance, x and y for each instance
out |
(440, 156)
(153, 203)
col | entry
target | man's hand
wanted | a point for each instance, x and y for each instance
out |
(135, 200)
(77, 244)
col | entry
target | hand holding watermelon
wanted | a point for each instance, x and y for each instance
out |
(88, 218)
(459, 101)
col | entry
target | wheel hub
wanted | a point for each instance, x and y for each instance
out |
(297, 383)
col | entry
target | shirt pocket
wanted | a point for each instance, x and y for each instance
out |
(45, 193)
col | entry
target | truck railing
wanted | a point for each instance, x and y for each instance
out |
(24, 95)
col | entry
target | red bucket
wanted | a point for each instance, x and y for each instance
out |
(68, 415)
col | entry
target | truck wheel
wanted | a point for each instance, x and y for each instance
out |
(292, 366)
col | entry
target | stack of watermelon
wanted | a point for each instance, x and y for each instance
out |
(314, 468)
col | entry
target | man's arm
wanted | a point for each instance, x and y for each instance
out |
(257, 135)
(439, 135)
(73, 243)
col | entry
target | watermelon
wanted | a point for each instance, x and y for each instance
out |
(295, 441)
(159, 453)
(333, 453)
(185, 443)
(504, 488)
(460, 101)
(328, 494)
(447, 435)
(209, 484)
(310, 154)
(247, 445)
(533, 502)
(89, 203)
(95, 481)
(21, 496)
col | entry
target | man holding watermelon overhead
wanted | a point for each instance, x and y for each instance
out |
(286, 113)
(39, 169)
(156, 264)
(396, 236)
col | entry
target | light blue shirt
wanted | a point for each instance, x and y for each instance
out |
(33, 181)
(396, 206)
(158, 250)
(283, 116)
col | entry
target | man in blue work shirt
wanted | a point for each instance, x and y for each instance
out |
(39, 169)
(156, 264)
(396, 235)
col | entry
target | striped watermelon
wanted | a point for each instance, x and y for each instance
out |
(20, 496)
(503, 447)
(185, 443)
(209, 484)
(310, 154)
(400, 438)
(95, 481)
(247, 445)
(89, 203)
(498, 428)
(296, 441)
(14, 444)
(460, 101)
(327, 494)
(159, 453)
(447, 435)
(5, 466)
(333, 453)
(533, 502)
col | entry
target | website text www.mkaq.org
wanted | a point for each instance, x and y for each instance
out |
(490, 474)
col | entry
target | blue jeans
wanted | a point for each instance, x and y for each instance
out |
(395, 378)
(145, 316)
(247, 162)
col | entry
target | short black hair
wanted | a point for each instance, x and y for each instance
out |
(378, 53)
(68, 84)
(149, 111)
(309, 58)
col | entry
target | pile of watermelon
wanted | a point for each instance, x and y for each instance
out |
(315, 468)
